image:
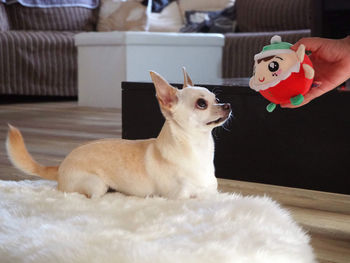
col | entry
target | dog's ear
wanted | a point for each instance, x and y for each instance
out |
(166, 94)
(187, 79)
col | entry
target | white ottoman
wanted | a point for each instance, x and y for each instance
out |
(105, 59)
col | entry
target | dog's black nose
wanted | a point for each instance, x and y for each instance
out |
(226, 106)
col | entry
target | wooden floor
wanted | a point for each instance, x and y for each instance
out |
(52, 130)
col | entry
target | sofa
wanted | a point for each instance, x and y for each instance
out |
(38, 56)
(37, 52)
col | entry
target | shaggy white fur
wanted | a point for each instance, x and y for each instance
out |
(40, 224)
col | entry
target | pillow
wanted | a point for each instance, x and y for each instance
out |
(204, 5)
(56, 19)
(159, 5)
(168, 20)
(123, 15)
(221, 21)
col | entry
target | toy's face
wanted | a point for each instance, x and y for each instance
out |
(268, 69)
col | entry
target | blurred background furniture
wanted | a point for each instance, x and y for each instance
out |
(330, 18)
(38, 56)
(37, 52)
(105, 59)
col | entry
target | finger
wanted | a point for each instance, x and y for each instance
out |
(311, 43)
(313, 93)
(316, 84)
(307, 98)
(291, 106)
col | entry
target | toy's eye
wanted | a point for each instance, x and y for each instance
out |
(273, 66)
(201, 104)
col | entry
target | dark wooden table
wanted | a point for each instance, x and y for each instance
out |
(307, 147)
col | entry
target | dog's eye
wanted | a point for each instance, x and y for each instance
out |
(217, 100)
(201, 104)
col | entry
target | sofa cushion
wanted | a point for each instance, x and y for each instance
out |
(169, 19)
(273, 15)
(4, 25)
(56, 18)
(208, 16)
(122, 15)
(204, 5)
(221, 21)
(45, 64)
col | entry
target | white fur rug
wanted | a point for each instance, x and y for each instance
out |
(40, 224)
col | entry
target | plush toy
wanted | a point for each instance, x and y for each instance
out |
(282, 75)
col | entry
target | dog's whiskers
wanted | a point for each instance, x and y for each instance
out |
(217, 91)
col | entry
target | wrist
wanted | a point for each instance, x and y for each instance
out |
(347, 40)
(347, 49)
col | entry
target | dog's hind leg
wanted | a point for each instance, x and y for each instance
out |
(94, 187)
(84, 183)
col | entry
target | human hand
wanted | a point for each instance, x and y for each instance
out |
(331, 62)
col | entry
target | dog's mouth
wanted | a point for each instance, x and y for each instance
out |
(220, 120)
(217, 121)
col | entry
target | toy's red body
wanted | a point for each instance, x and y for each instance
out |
(294, 85)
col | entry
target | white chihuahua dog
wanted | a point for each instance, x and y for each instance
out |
(176, 164)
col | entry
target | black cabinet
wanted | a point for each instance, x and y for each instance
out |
(330, 18)
(307, 147)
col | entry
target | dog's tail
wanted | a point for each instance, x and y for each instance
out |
(21, 159)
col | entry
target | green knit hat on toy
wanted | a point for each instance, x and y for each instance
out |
(276, 47)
